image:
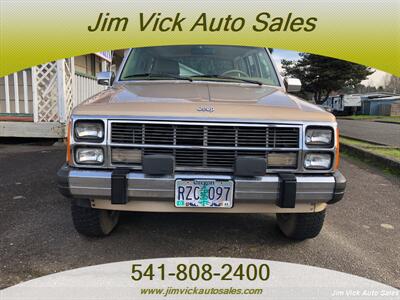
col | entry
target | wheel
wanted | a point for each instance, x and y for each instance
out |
(93, 222)
(301, 226)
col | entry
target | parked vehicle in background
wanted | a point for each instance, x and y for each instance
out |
(343, 104)
(384, 104)
(201, 129)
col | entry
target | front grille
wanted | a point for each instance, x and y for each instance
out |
(200, 145)
(204, 158)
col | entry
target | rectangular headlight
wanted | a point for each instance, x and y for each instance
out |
(89, 130)
(281, 160)
(318, 161)
(93, 156)
(316, 136)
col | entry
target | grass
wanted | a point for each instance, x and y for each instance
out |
(395, 119)
(386, 151)
(371, 163)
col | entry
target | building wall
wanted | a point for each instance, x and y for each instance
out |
(20, 92)
(88, 64)
(392, 109)
(373, 107)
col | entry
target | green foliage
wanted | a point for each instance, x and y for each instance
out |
(322, 75)
(393, 119)
(387, 151)
(393, 84)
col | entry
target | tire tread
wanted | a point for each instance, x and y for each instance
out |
(307, 225)
(87, 221)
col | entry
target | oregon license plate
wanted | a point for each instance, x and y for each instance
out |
(204, 193)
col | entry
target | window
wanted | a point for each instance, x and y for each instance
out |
(201, 61)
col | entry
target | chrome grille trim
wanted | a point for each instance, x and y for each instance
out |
(205, 146)
(205, 135)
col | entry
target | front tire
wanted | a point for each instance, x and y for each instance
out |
(93, 222)
(301, 226)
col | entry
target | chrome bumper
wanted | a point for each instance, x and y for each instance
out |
(96, 184)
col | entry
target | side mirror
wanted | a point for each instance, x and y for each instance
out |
(105, 78)
(292, 84)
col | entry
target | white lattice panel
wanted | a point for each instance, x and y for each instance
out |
(55, 92)
(46, 82)
(69, 77)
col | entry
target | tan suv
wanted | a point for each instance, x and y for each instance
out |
(201, 128)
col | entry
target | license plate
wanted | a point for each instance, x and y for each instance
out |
(204, 193)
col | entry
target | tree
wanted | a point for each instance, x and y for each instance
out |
(393, 84)
(322, 75)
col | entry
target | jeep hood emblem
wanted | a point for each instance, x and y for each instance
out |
(205, 109)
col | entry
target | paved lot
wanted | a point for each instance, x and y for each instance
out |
(37, 236)
(382, 133)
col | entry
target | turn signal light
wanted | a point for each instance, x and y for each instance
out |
(281, 160)
(68, 158)
(337, 154)
(126, 156)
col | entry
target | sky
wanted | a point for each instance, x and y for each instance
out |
(377, 79)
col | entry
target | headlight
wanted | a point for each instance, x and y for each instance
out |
(89, 130)
(319, 137)
(318, 161)
(93, 156)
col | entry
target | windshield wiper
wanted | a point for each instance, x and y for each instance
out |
(166, 75)
(228, 78)
(158, 75)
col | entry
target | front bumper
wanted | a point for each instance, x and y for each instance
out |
(96, 184)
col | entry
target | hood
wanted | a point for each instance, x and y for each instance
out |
(201, 99)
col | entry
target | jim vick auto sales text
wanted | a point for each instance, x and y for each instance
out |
(160, 22)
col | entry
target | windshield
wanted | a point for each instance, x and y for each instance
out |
(201, 62)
